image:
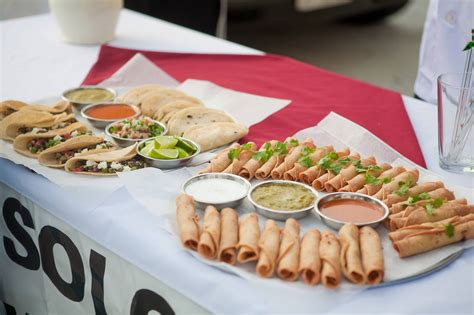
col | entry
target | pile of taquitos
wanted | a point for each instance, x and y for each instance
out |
(325, 169)
(315, 257)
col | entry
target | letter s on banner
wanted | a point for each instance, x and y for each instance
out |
(32, 259)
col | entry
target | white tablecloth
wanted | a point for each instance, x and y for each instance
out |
(35, 64)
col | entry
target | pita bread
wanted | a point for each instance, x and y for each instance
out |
(215, 135)
(169, 109)
(134, 95)
(48, 156)
(195, 116)
(152, 102)
(21, 142)
(124, 154)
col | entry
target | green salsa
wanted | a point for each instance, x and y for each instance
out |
(90, 95)
(288, 197)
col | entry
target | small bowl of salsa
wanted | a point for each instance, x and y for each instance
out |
(102, 114)
(85, 95)
(339, 208)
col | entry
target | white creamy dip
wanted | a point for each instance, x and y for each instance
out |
(216, 190)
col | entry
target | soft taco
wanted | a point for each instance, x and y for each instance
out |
(26, 121)
(9, 107)
(106, 163)
(58, 155)
(32, 144)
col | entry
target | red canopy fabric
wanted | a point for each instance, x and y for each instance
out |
(314, 92)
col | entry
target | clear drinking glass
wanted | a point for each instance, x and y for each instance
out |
(455, 122)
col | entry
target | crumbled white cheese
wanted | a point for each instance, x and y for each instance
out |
(57, 138)
(126, 168)
(90, 163)
(102, 165)
(36, 130)
(116, 166)
(75, 133)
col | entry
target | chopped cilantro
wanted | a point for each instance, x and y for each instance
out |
(280, 149)
(246, 146)
(403, 187)
(449, 230)
(233, 154)
(292, 142)
(305, 161)
(433, 204)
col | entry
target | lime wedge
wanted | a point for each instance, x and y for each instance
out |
(146, 150)
(182, 153)
(165, 142)
(188, 147)
(164, 154)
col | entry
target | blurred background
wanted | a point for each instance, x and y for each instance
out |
(376, 41)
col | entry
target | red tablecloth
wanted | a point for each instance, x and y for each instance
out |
(314, 92)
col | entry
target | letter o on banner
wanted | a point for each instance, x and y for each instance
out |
(48, 237)
(146, 300)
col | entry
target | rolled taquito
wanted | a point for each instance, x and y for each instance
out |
(309, 175)
(319, 182)
(372, 255)
(358, 181)
(288, 257)
(221, 161)
(250, 168)
(428, 236)
(347, 173)
(421, 215)
(229, 236)
(310, 260)
(237, 163)
(249, 234)
(290, 159)
(293, 173)
(351, 260)
(373, 188)
(330, 252)
(188, 221)
(440, 193)
(408, 178)
(208, 245)
(415, 190)
(269, 245)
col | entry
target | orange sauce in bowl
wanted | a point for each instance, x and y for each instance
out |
(111, 111)
(352, 210)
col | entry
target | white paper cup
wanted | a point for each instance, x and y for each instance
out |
(87, 21)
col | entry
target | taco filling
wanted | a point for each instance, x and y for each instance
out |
(38, 145)
(110, 167)
(62, 124)
(64, 156)
(136, 128)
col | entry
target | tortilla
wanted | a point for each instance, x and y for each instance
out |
(249, 235)
(195, 116)
(134, 95)
(351, 258)
(150, 103)
(124, 154)
(289, 254)
(8, 107)
(372, 255)
(48, 156)
(188, 221)
(208, 245)
(229, 236)
(310, 260)
(215, 135)
(269, 245)
(330, 251)
(165, 112)
(21, 142)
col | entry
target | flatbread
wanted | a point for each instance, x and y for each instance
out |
(124, 154)
(134, 95)
(48, 156)
(216, 134)
(8, 107)
(152, 102)
(195, 116)
(165, 112)
(21, 142)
